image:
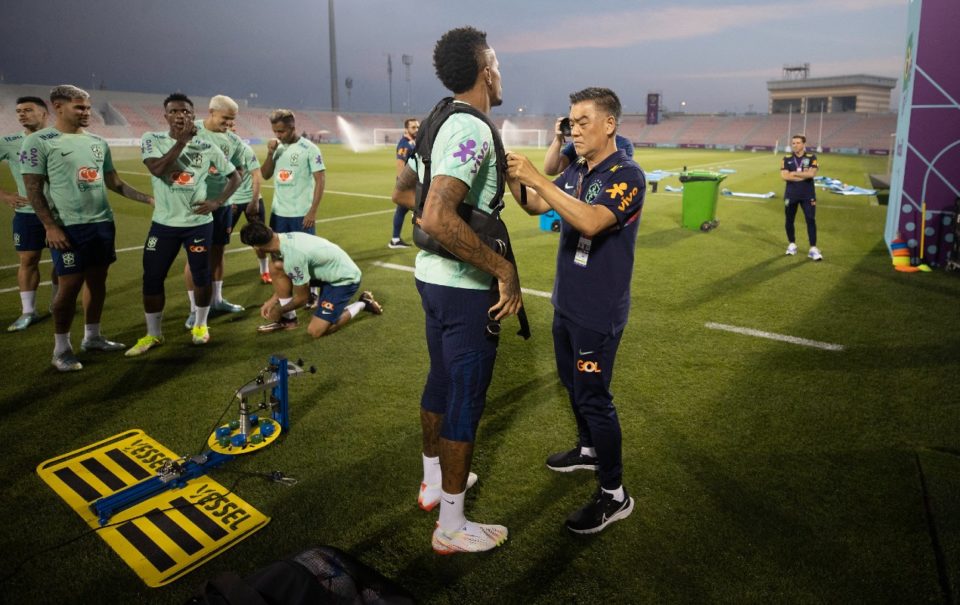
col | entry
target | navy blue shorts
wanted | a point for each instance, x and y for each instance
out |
(333, 300)
(222, 224)
(289, 224)
(238, 211)
(29, 234)
(91, 245)
(162, 246)
(462, 355)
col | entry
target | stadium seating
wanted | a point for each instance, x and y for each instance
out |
(143, 112)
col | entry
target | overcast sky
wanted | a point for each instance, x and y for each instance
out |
(714, 56)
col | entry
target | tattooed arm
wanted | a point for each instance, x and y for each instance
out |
(404, 191)
(56, 238)
(441, 221)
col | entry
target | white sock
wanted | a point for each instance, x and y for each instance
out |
(263, 265)
(588, 451)
(451, 511)
(288, 314)
(61, 343)
(202, 314)
(617, 494)
(431, 470)
(354, 308)
(154, 321)
(91, 331)
(28, 301)
(217, 291)
(193, 301)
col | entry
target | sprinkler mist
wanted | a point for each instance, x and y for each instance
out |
(359, 140)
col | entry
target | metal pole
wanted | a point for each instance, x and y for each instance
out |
(334, 97)
(789, 125)
(390, 79)
(803, 109)
(820, 136)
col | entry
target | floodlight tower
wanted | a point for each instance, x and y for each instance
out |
(407, 62)
(390, 79)
(334, 97)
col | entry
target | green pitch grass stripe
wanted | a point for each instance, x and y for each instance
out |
(827, 346)
(409, 269)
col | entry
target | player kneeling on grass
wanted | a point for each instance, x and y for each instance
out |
(301, 260)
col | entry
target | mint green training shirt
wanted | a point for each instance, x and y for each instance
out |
(307, 257)
(74, 165)
(188, 182)
(463, 149)
(294, 166)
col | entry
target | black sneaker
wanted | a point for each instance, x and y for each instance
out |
(600, 512)
(397, 243)
(564, 462)
(312, 301)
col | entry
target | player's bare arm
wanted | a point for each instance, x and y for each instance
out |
(117, 185)
(266, 168)
(588, 219)
(56, 238)
(404, 192)
(319, 182)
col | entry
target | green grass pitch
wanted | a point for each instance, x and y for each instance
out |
(764, 471)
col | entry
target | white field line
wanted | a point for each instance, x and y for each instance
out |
(409, 269)
(269, 186)
(232, 250)
(772, 336)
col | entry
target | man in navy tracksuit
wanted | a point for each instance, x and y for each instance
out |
(599, 198)
(798, 170)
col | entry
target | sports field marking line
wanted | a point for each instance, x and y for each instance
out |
(232, 250)
(827, 346)
(409, 269)
(268, 186)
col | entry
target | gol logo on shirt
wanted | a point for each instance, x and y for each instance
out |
(88, 175)
(182, 178)
(285, 176)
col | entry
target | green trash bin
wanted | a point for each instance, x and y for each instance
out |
(701, 190)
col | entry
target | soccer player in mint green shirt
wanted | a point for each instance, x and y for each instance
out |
(300, 181)
(298, 166)
(77, 219)
(216, 130)
(29, 236)
(302, 260)
(456, 294)
(180, 163)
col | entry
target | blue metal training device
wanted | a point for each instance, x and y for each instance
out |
(246, 434)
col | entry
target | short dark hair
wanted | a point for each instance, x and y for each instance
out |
(799, 136)
(457, 58)
(177, 96)
(256, 234)
(604, 98)
(283, 115)
(406, 123)
(34, 100)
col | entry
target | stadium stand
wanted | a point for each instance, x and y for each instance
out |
(130, 114)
